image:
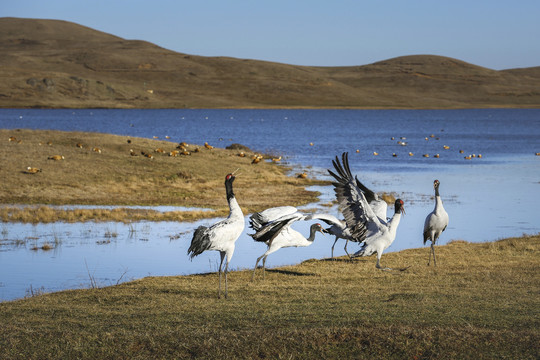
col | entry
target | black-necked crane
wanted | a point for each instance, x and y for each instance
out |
(366, 222)
(436, 222)
(273, 227)
(222, 235)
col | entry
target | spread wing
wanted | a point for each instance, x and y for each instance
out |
(378, 205)
(351, 196)
(268, 223)
(260, 219)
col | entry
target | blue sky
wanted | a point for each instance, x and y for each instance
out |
(495, 34)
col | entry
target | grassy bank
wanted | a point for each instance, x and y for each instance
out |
(113, 176)
(481, 302)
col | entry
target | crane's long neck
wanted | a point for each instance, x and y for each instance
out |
(234, 208)
(438, 201)
(394, 222)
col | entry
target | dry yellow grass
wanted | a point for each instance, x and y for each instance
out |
(114, 177)
(481, 302)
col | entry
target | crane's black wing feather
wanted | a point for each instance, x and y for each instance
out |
(351, 196)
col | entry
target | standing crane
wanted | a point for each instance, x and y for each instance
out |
(273, 227)
(222, 235)
(436, 222)
(365, 221)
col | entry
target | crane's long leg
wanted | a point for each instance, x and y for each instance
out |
(433, 250)
(333, 246)
(346, 243)
(264, 267)
(226, 283)
(378, 265)
(222, 254)
(257, 263)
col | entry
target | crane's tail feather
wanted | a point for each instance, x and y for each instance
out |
(200, 242)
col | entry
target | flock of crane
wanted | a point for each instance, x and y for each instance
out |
(364, 222)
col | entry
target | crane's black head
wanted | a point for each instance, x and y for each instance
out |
(398, 205)
(319, 227)
(230, 178)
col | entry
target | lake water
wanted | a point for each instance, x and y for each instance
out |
(487, 199)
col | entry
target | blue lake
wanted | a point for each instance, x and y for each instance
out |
(487, 199)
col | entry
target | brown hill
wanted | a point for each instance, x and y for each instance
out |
(50, 63)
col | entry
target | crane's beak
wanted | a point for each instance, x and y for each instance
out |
(235, 172)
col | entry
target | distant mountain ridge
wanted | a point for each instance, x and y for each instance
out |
(58, 64)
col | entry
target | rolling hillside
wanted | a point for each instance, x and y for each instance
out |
(58, 64)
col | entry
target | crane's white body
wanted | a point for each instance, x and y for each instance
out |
(380, 240)
(273, 227)
(436, 222)
(224, 233)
